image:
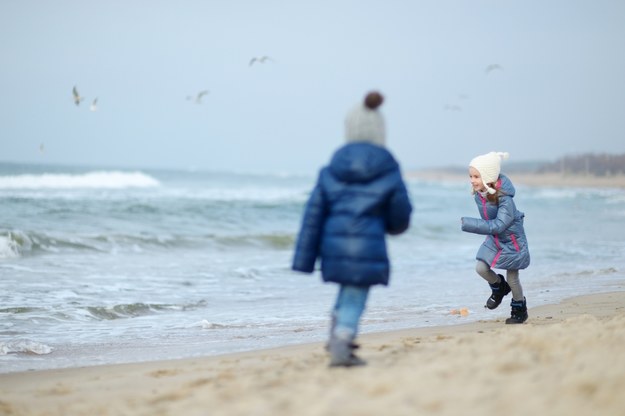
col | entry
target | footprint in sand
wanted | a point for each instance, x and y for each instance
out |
(163, 373)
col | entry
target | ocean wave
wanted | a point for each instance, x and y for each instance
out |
(588, 273)
(89, 180)
(17, 243)
(24, 346)
(133, 310)
(9, 248)
(277, 241)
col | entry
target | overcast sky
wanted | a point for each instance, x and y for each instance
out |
(560, 88)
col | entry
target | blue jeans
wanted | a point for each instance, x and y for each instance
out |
(349, 307)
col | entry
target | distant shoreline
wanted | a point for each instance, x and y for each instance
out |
(529, 179)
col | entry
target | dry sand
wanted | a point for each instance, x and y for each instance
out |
(568, 359)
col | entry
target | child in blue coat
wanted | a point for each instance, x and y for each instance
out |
(505, 246)
(359, 198)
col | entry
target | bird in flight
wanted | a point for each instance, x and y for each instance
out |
(492, 67)
(261, 59)
(77, 97)
(452, 107)
(94, 105)
(199, 96)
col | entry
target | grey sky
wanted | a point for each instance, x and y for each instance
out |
(561, 90)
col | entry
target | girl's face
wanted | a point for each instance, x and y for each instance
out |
(476, 180)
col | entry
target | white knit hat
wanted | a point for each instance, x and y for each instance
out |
(364, 123)
(489, 166)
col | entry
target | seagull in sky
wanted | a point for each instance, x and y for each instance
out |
(77, 97)
(452, 107)
(94, 105)
(41, 148)
(198, 97)
(492, 67)
(261, 59)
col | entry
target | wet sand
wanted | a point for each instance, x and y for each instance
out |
(568, 359)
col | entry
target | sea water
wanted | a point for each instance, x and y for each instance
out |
(101, 265)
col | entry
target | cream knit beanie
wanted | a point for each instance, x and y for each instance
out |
(489, 166)
(365, 123)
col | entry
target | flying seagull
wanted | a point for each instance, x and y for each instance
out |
(261, 59)
(94, 105)
(492, 67)
(452, 107)
(77, 97)
(198, 97)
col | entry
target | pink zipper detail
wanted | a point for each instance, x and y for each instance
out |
(516, 245)
(484, 207)
(492, 265)
(495, 237)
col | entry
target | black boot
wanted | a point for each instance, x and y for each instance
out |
(518, 313)
(500, 290)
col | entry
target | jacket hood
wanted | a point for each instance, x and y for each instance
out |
(506, 185)
(361, 162)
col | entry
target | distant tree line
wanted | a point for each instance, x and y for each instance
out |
(586, 164)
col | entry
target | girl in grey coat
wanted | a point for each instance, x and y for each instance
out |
(505, 246)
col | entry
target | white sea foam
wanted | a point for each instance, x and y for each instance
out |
(8, 248)
(90, 180)
(24, 346)
(242, 194)
(13, 244)
(204, 324)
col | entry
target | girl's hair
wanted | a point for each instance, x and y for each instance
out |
(494, 198)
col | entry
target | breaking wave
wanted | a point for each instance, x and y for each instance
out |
(89, 180)
(24, 346)
(17, 243)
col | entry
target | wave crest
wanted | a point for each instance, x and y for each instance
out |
(24, 346)
(13, 244)
(89, 180)
(17, 243)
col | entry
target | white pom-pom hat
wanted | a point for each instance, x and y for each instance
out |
(489, 166)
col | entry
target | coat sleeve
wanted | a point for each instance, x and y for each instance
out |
(398, 214)
(309, 239)
(505, 217)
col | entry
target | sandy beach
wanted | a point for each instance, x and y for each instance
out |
(527, 179)
(568, 359)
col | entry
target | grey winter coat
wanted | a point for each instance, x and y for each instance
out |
(505, 246)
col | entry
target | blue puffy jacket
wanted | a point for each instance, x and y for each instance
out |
(505, 246)
(358, 198)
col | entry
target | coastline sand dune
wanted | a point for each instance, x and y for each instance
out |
(568, 359)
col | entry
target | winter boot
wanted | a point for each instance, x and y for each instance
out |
(500, 290)
(518, 313)
(341, 349)
(352, 344)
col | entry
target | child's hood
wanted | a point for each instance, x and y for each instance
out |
(361, 162)
(506, 185)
